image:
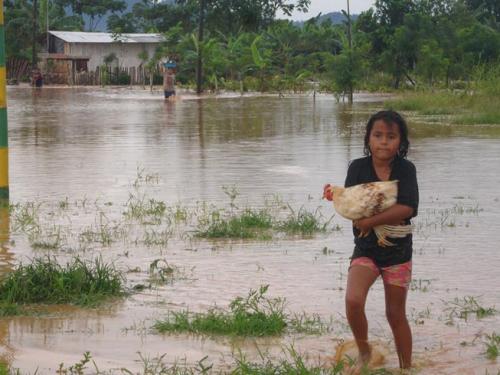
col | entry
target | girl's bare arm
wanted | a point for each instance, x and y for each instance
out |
(392, 216)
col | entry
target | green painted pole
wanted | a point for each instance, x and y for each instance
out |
(4, 146)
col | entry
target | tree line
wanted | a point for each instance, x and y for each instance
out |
(396, 43)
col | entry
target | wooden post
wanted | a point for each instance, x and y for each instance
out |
(199, 69)
(4, 146)
(34, 59)
(349, 38)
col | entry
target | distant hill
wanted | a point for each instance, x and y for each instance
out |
(336, 18)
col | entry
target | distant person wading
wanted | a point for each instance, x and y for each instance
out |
(169, 79)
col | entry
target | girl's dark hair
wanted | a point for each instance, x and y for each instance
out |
(389, 117)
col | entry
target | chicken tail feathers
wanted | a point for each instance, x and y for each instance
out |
(393, 231)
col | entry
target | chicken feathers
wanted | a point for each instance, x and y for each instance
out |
(365, 200)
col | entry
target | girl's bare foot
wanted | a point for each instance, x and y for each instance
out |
(364, 357)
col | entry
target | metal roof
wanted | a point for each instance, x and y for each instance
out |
(84, 37)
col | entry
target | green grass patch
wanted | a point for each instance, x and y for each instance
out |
(491, 117)
(254, 315)
(10, 309)
(303, 222)
(44, 281)
(145, 210)
(260, 224)
(293, 363)
(249, 224)
(476, 104)
(492, 346)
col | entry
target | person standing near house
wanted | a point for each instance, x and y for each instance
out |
(169, 79)
(37, 78)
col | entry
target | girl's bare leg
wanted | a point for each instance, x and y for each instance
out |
(395, 307)
(359, 281)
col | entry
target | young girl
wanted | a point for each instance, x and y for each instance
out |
(386, 145)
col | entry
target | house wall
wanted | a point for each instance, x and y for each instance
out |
(127, 53)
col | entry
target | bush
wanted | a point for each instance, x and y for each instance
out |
(123, 79)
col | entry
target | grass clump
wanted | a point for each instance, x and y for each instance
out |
(146, 210)
(492, 346)
(308, 324)
(293, 363)
(254, 315)
(45, 281)
(303, 222)
(249, 224)
(463, 308)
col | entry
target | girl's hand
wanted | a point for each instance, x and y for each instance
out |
(364, 226)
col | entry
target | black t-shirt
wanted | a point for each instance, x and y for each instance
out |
(362, 171)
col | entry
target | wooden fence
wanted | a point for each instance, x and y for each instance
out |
(17, 69)
(112, 76)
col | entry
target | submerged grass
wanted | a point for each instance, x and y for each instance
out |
(249, 224)
(462, 308)
(254, 315)
(47, 282)
(292, 362)
(492, 346)
(259, 224)
(303, 222)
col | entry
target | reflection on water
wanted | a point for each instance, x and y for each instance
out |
(88, 144)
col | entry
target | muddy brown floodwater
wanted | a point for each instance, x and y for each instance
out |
(88, 144)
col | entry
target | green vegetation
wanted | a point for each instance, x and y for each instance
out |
(292, 362)
(462, 308)
(250, 224)
(48, 226)
(475, 104)
(259, 224)
(303, 222)
(492, 346)
(44, 281)
(395, 44)
(255, 315)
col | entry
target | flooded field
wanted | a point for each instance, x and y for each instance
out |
(122, 175)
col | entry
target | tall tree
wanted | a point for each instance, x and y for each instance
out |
(94, 9)
(486, 10)
(232, 16)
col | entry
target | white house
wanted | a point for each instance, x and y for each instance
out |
(94, 47)
(78, 57)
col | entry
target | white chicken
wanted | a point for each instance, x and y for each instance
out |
(365, 200)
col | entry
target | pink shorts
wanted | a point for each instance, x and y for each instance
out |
(399, 274)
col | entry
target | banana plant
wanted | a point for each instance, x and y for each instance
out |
(261, 59)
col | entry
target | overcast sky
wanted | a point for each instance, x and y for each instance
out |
(327, 6)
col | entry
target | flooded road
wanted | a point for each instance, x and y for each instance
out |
(87, 147)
